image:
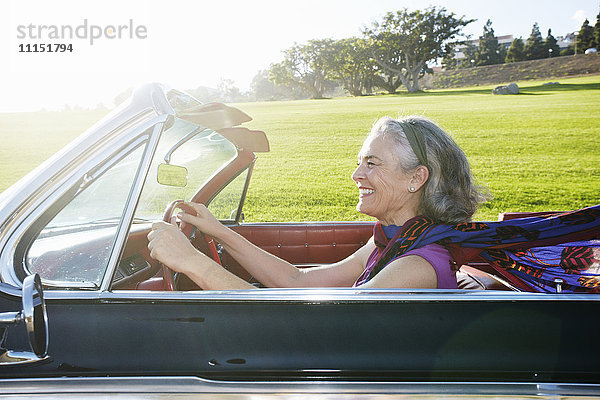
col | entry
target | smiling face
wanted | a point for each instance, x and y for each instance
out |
(384, 188)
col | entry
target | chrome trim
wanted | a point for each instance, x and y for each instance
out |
(132, 201)
(11, 358)
(317, 296)
(10, 290)
(335, 389)
(158, 95)
(559, 282)
(11, 317)
(70, 285)
(35, 315)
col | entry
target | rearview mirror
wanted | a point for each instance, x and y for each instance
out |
(172, 175)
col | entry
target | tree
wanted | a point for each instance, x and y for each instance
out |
(205, 94)
(551, 45)
(264, 89)
(569, 51)
(418, 36)
(229, 93)
(386, 79)
(449, 60)
(353, 65)
(516, 52)
(534, 47)
(488, 52)
(307, 66)
(466, 57)
(585, 38)
(470, 55)
(596, 35)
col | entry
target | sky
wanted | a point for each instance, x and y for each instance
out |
(119, 44)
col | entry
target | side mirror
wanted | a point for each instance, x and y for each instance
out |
(172, 175)
(34, 314)
(35, 318)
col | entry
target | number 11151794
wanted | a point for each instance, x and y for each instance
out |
(45, 48)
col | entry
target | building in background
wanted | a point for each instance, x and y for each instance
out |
(565, 41)
(503, 41)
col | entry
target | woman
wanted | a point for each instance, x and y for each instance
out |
(406, 168)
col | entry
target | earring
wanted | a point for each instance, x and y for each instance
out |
(411, 189)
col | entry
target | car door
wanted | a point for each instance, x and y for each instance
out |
(398, 335)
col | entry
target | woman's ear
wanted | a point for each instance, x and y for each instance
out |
(419, 177)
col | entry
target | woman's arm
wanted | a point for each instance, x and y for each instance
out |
(271, 270)
(412, 272)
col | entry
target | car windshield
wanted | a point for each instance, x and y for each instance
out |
(202, 152)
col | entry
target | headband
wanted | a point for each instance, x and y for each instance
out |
(414, 134)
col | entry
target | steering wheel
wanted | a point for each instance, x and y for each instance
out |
(168, 275)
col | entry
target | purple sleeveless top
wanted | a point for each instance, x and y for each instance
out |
(433, 253)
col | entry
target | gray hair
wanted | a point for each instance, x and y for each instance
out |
(449, 195)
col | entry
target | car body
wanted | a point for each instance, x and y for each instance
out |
(80, 221)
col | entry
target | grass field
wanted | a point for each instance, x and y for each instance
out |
(539, 150)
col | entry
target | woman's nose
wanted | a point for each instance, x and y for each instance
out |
(358, 173)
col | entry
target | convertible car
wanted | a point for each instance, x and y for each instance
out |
(85, 310)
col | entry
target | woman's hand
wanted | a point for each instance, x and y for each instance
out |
(170, 246)
(203, 220)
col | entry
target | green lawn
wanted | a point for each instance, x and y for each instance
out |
(535, 151)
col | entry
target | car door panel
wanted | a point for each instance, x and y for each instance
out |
(413, 336)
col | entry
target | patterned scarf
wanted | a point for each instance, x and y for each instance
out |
(534, 254)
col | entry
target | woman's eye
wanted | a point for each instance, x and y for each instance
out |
(369, 163)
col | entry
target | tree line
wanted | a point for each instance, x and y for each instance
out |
(391, 53)
(489, 51)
